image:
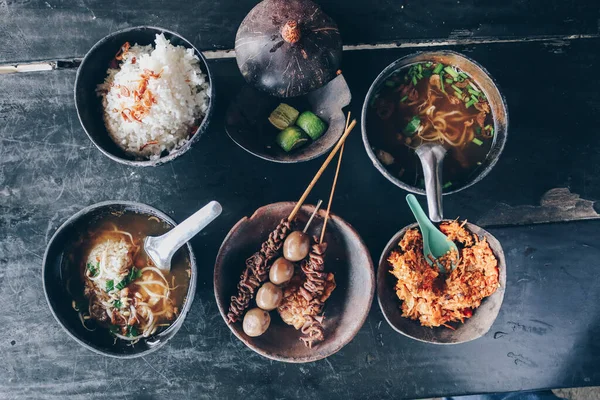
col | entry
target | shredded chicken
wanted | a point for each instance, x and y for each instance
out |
(436, 299)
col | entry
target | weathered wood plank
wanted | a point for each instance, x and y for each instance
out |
(40, 29)
(544, 334)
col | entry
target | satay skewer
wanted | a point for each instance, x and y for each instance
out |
(335, 150)
(335, 178)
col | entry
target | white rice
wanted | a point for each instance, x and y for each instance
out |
(180, 99)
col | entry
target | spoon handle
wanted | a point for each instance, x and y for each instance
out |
(431, 160)
(419, 214)
(170, 242)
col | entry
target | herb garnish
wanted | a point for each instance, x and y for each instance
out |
(134, 273)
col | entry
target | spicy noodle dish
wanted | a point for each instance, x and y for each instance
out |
(438, 299)
(430, 103)
(119, 289)
(153, 98)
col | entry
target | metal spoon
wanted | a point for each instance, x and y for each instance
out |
(435, 243)
(161, 249)
(432, 157)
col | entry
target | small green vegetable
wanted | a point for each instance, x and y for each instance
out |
(110, 285)
(291, 138)
(420, 68)
(448, 80)
(132, 330)
(474, 92)
(114, 329)
(283, 116)
(451, 71)
(477, 141)
(428, 64)
(478, 130)
(402, 100)
(134, 273)
(442, 84)
(117, 304)
(311, 124)
(463, 75)
(414, 80)
(474, 87)
(470, 103)
(447, 185)
(412, 126)
(438, 68)
(457, 89)
(490, 129)
(94, 269)
(427, 73)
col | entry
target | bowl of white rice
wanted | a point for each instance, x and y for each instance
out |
(144, 95)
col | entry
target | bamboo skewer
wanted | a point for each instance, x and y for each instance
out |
(321, 170)
(312, 216)
(335, 178)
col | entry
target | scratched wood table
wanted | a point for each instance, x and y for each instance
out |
(539, 201)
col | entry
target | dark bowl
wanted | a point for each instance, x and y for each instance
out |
(473, 328)
(92, 72)
(55, 276)
(247, 121)
(485, 82)
(345, 311)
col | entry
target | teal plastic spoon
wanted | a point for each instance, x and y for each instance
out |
(435, 243)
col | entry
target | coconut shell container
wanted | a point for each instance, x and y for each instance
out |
(288, 52)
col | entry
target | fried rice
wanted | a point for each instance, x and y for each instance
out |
(436, 299)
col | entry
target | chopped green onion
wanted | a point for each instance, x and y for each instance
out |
(442, 85)
(463, 75)
(474, 87)
(447, 185)
(117, 304)
(427, 73)
(456, 89)
(478, 130)
(419, 76)
(477, 141)
(474, 92)
(448, 80)
(451, 71)
(470, 103)
(467, 99)
(110, 285)
(438, 68)
(131, 330)
(402, 100)
(428, 64)
(94, 269)
(414, 80)
(389, 83)
(412, 127)
(420, 68)
(489, 128)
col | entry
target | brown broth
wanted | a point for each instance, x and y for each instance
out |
(139, 226)
(390, 112)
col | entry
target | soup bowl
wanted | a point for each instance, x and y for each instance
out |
(473, 328)
(58, 273)
(92, 72)
(345, 311)
(485, 82)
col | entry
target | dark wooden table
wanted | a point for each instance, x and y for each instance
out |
(545, 56)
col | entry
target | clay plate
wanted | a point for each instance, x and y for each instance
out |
(473, 328)
(345, 311)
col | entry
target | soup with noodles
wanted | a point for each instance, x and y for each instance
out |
(120, 289)
(430, 103)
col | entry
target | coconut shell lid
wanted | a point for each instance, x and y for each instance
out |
(288, 48)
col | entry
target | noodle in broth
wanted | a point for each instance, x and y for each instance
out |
(430, 103)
